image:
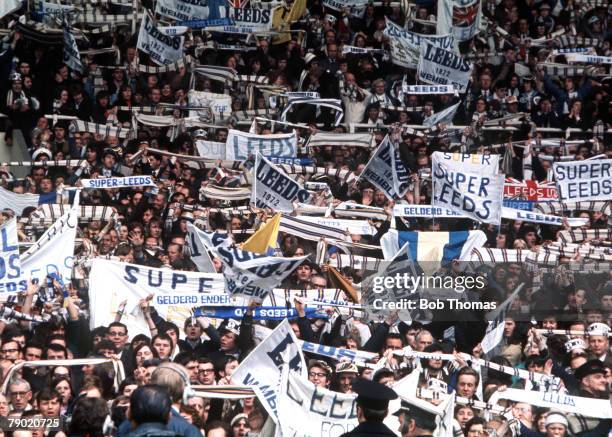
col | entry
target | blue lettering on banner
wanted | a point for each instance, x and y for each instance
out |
(524, 205)
(155, 278)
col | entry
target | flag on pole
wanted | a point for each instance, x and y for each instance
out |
(264, 241)
(72, 58)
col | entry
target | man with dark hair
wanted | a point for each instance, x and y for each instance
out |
(88, 417)
(149, 411)
(49, 402)
(372, 408)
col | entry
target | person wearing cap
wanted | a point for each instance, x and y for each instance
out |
(415, 421)
(372, 408)
(240, 425)
(319, 373)
(599, 343)
(592, 379)
(555, 424)
(346, 372)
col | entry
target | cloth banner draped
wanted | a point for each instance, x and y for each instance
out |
(173, 293)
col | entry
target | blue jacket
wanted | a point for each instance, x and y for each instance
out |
(177, 424)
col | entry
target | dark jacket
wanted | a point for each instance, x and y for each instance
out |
(152, 430)
(177, 424)
(370, 429)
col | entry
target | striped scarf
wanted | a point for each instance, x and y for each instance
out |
(334, 104)
(578, 235)
(554, 208)
(322, 139)
(577, 41)
(356, 262)
(175, 66)
(224, 193)
(346, 176)
(101, 129)
(95, 17)
(227, 75)
(562, 70)
(310, 231)
(49, 163)
(49, 213)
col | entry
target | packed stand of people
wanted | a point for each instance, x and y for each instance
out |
(146, 394)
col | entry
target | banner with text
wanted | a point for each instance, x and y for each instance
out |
(161, 48)
(584, 180)
(10, 264)
(173, 293)
(406, 45)
(439, 66)
(242, 145)
(387, 171)
(272, 188)
(474, 195)
(126, 182)
(261, 369)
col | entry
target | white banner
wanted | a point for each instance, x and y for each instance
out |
(462, 16)
(546, 219)
(445, 116)
(272, 188)
(173, 30)
(162, 49)
(429, 89)
(588, 407)
(197, 241)
(406, 46)
(358, 227)
(53, 252)
(10, 264)
(174, 293)
(8, 6)
(355, 8)
(387, 171)
(439, 66)
(477, 196)
(251, 274)
(242, 145)
(261, 369)
(588, 59)
(220, 105)
(125, 182)
(584, 180)
(401, 210)
(184, 10)
(210, 149)
(246, 21)
(305, 410)
(475, 163)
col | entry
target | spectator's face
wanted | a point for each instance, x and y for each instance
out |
(118, 335)
(193, 332)
(50, 408)
(20, 396)
(241, 428)
(598, 344)
(476, 430)
(173, 253)
(143, 354)
(345, 381)
(466, 386)
(523, 412)
(303, 273)
(206, 373)
(595, 383)
(318, 376)
(4, 406)
(606, 302)
(228, 341)
(424, 340)
(509, 326)
(393, 343)
(549, 323)
(10, 351)
(33, 354)
(463, 416)
(555, 430)
(163, 348)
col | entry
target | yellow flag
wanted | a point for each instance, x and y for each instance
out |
(265, 238)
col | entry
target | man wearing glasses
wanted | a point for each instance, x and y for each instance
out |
(20, 395)
(206, 372)
(11, 351)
